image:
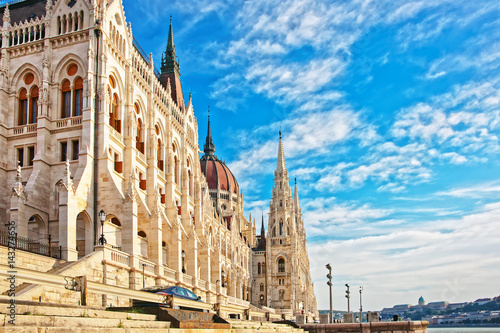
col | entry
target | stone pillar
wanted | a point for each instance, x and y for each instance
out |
(67, 222)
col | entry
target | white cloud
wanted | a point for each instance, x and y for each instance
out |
(426, 259)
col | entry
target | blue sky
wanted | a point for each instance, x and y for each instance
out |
(390, 113)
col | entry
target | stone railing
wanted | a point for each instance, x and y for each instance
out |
(24, 129)
(377, 327)
(237, 301)
(73, 121)
(147, 265)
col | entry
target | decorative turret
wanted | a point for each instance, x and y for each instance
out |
(170, 70)
(296, 197)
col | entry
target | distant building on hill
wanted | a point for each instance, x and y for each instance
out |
(421, 301)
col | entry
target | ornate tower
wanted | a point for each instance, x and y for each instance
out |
(281, 240)
(170, 76)
(288, 277)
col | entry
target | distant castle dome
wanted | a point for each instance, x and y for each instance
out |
(421, 301)
(217, 173)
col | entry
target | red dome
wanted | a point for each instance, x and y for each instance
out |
(217, 172)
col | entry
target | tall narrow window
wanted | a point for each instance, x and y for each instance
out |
(75, 149)
(113, 115)
(64, 151)
(281, 265)
(20, 156)
(65, 99)
(22, 118)
(139, 139)
(159, 155)
(33, 105)
(31, 155)
(78, 97)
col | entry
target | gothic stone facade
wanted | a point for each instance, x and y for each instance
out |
(88, 124)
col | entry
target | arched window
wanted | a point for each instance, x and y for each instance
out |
(261, 299)
(22, 118)
(176, 166)
(159, 155)
(281, 227)
(281, 265)
(114, 113)
(274, 231)
(261, 287)
(78, 97)
(139, 137)
(259, 269)
(33, 105)
(65, 99)
(282, 295)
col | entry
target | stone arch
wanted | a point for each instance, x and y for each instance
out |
(142, 237)
(37, 228)
(84, 234)
(59, 74)
(113, 231)
(17, 79)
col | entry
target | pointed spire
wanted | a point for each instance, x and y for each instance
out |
(262, 230)
(296, 196)
(170, 63)
(281, 167)
(209, 147)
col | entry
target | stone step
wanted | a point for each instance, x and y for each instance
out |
(74, 312)
(17, 329)
(81, 322)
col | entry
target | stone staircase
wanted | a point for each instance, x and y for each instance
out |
(262, 327)
(34, 317)
(56, 319)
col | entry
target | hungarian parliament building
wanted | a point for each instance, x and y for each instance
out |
(99, 158)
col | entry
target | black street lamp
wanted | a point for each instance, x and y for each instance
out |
(183, 258)
(360, 305)
(329, 283)
(348, 296)
(102, 218)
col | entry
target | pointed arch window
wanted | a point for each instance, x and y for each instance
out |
(140, 137)
(281, 227)
(159, 155)
(78, 97)
(65, 99)
(282, 295)
(33, 105)
(281, 265)
(22, 118)
(114, 120)
(261, 287)
(259, 271)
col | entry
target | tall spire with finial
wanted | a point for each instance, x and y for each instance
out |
(170, 69)
(209, 147)
(296, 196)
(281, 167)
(262, 230)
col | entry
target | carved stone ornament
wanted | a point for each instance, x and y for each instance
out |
(6, 14)
(66, 183)
(44, 96)
(46, 61)
(130, 194)
(18, 188)
(169, 90)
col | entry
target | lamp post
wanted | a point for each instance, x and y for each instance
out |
(143, 277)
(348, 296)
(183, 258)
(360, 305)
(329, 283)
(102, 218)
